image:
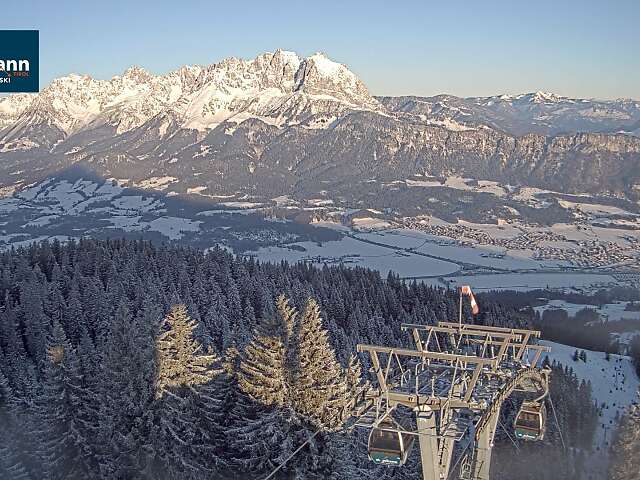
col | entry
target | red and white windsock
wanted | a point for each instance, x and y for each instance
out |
(466, 290)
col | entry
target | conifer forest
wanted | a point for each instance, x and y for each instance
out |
(124, 359)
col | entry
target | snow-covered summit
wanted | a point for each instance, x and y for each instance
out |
(12, 106)
(541, 97)
(279, 88)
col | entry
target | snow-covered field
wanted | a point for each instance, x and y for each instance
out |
(533, 281)
(481, 255)
(491, 256)
(356, 253)
(396, 251)
(610, 311)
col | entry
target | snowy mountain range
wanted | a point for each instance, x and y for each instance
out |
(283, 124)
(278, 88)
(540, 112)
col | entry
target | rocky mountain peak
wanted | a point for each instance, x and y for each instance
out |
(137, 74)
(318, 75)
(279, 85)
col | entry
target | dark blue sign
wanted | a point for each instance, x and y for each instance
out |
(19, 57)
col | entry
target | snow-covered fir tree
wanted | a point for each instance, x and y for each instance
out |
(263, 374)
(59, 427)
(263, 436)
(625, 462)
(186, 401)
(11, 461)
(127, 414)
(319, 389)
(109, 298)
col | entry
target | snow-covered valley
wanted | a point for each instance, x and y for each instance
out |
(514, 253)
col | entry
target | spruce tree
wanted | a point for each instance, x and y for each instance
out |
(185, 390)
(319, 386)
(625, 461)
(11, 463)
(264, 434)
(127, 400)
(263, 375)
(58, 427)
(179, 357)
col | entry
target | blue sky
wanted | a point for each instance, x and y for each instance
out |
(581, 48)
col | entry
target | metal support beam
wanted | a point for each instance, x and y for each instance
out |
(405, 352)
(521, 331)
(472, 384)
(376, 365)
(432, 466)
(484, 446)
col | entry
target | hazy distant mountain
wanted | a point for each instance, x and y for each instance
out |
(540, 112)
(284, 124)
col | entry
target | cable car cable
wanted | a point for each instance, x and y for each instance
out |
(297, 450)
(508, 435)
(291, 456)
(553, 409)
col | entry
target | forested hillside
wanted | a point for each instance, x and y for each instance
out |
(626, 448)
(125, 360)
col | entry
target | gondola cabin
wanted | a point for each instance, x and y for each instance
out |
(387, 446)
(530, 423)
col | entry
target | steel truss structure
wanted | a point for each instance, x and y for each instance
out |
(454, 383)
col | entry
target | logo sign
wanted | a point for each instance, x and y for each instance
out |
(19, 57)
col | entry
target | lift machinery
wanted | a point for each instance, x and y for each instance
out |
(446, 394)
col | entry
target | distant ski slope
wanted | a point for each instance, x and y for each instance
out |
(614, 382)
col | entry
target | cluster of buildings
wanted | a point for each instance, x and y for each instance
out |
(583, 253)
(592, 254)
(473, 236)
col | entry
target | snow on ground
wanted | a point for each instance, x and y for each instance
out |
(19, 144)
(284, 200)
(63, 197)
(319, 202)
(355, 253)
(613, 383)
(460, 183)
(400, 258)
(240, 204)
(610, 311)
(593, 208)
(333, 225)
(63, 194)
(173, 227)
(8, 238)
(43, 220)
(504, 230)
(156, 183)
(135, 202)
(370, 223)
(231, 211)
(574, 232)
(624, 339)
(446, 248)
(531, 281)
(52, 202)
(51, 238)
(449, 124)
(126, 223)
(9, 204)
(423, 183)
(199, 189)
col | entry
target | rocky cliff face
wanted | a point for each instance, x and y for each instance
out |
(282, 124)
